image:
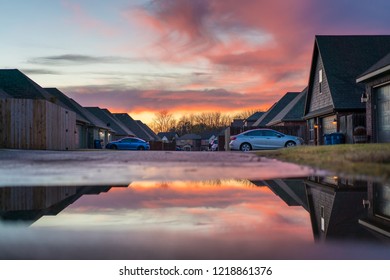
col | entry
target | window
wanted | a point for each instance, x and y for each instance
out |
(320, 80)
(322, 209)
(254, 133)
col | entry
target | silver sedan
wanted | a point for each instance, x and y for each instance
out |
(263, 139)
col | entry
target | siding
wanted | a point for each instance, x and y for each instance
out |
(323, 99)
(36, 124)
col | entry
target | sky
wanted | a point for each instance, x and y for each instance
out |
(184, 56)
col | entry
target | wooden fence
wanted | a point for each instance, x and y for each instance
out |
(36, 124)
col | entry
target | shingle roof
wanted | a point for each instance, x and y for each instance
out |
(17, 85)
(383, 65)
(294, 111)
(254, 117)
(344, 58)
(106, 116)
(148, 130)
(168, 135)
(81, 112)
(276, 109)
(131, 124)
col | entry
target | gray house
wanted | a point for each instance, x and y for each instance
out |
(377, 99)
(333, 102)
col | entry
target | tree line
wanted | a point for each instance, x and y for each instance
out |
(164, 121)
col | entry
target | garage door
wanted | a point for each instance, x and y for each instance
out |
(383, 109)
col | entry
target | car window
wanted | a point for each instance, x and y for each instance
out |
(254, 133)
(270, 133)
(126, 140)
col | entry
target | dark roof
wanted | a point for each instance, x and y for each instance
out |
(294, 111)
(237, 123)
(168, 135)
(148, 130)
(61, 99)
(81, 113)
(207, 134)
(254, 117)
(276, 109)
(112, 122)
(344, 59)
(190, 136)
(131, 124)
(17, 85)
(383, 65)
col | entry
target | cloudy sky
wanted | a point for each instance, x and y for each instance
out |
(143, 56)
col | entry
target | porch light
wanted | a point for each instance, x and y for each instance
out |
(334, 121)
(364, 97)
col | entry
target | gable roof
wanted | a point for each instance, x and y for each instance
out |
(382, 66)
(344, 58)
(106, 116)
(254, 117)
(148, 130)
(293, 111)
(17, 85)
(169, 135)
(131, 124)
(275, 109)
(82, 113)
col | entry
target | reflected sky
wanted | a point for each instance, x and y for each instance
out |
(229, 208)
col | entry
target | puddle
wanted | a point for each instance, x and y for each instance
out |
(308, 217)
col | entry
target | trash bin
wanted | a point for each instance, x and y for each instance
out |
(97, 144)
(327, 139)
(337, 138)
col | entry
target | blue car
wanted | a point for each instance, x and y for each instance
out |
(128, 143)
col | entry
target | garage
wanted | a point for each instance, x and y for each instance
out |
(383, 113)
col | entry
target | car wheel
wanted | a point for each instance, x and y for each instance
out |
(290, 144)
(140, 148)
(114, 147)
(245, 147)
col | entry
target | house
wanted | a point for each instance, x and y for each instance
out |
(249, 121)
(275, 109)
(28, 117)
(88, 127)
(189, 142)
(134, 126)
(167, 137)
(207, 137)
(105, 116)
(333, 102)
(377, 100)
(292, 113)
(149, 131)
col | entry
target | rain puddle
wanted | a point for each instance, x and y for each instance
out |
(309, 217)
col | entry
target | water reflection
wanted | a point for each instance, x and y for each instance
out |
(300, 218)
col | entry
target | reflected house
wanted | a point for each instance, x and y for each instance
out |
(88, 127)
(377, 205)
(29, 204)
(291, 191)
(335, 207)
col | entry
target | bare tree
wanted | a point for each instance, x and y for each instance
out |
(163, 121)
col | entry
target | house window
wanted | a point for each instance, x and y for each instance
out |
(320, 80)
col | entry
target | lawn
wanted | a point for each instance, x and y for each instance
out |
(372, 160)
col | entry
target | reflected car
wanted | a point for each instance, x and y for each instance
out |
(263, 139)
(128, 143)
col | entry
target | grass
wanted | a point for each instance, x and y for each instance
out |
(368, 160)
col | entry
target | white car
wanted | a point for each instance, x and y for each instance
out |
(263, 139)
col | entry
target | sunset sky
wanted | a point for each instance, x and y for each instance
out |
(143, 56)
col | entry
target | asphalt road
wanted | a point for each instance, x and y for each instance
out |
(107, 167)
